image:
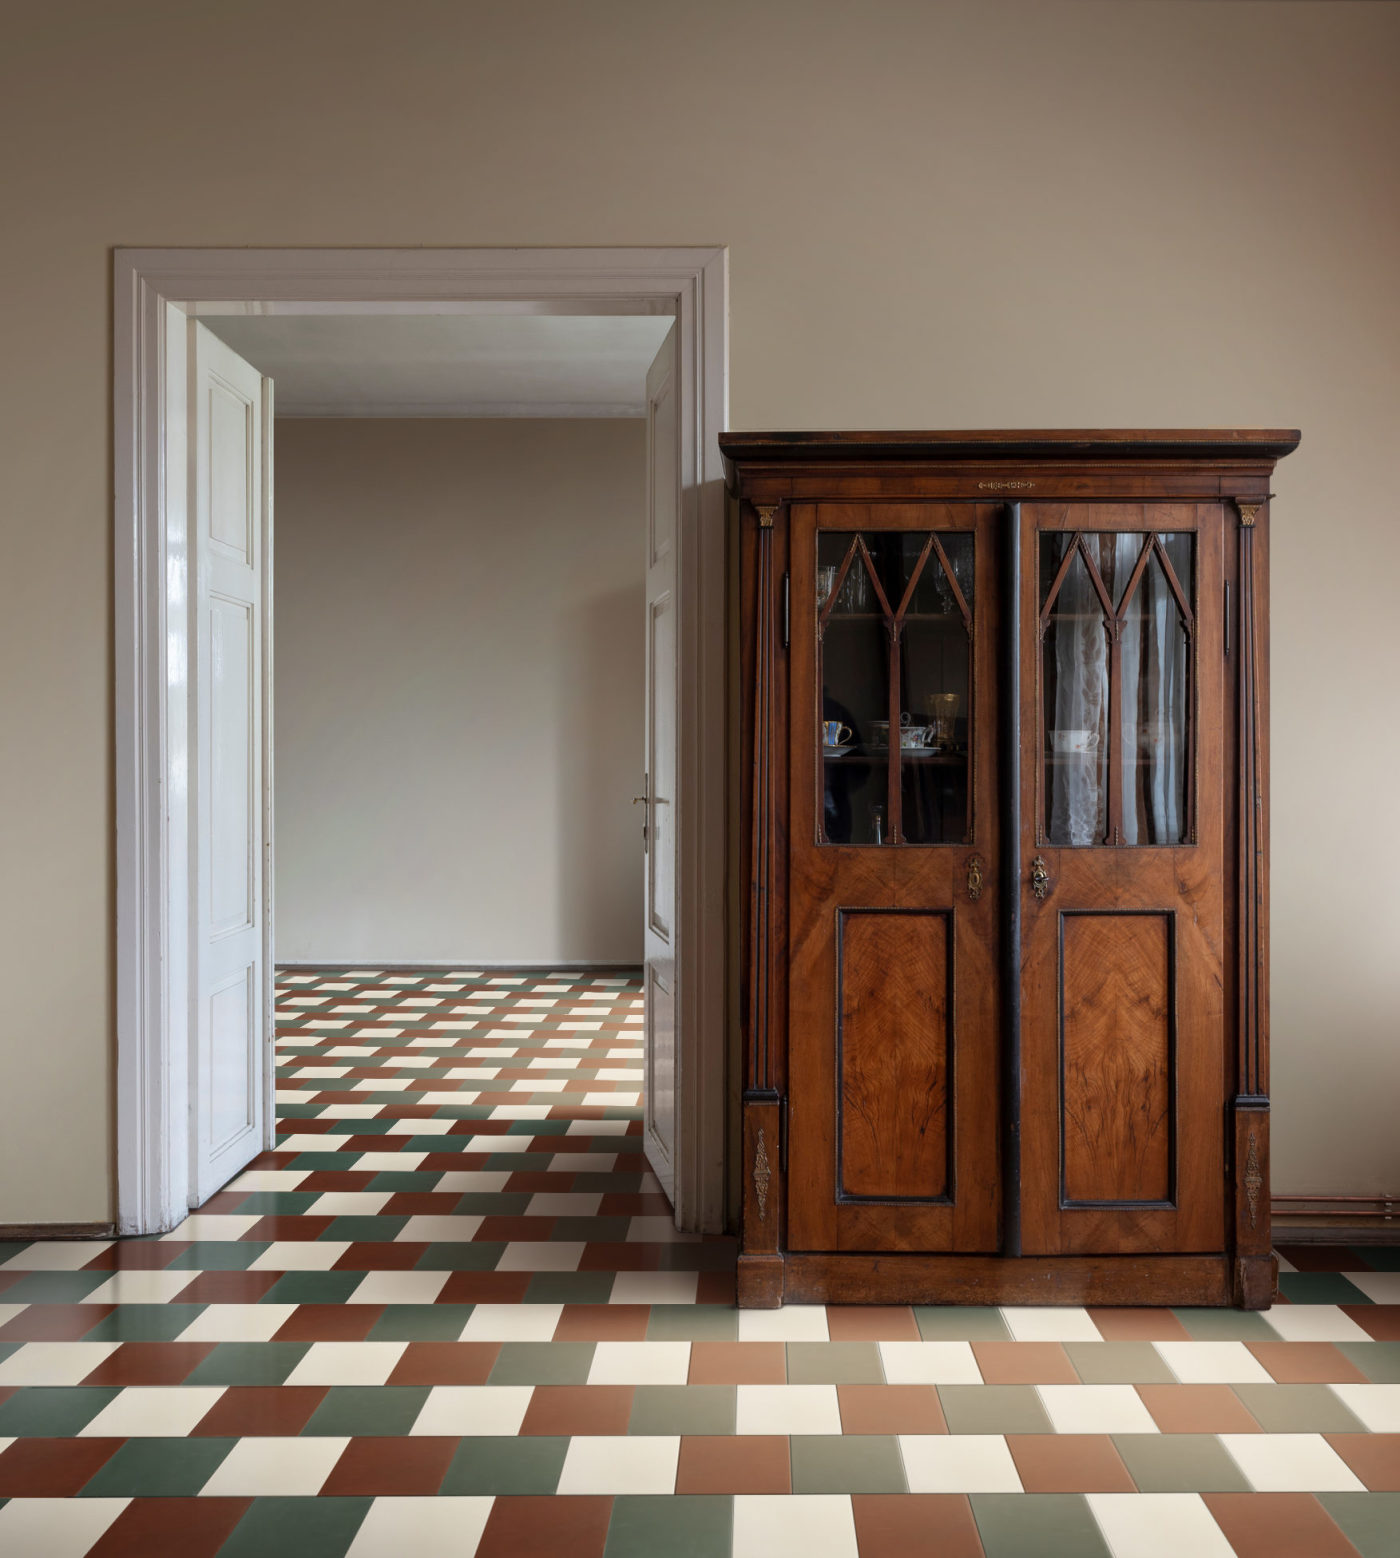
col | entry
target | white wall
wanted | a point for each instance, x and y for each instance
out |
(459, 627)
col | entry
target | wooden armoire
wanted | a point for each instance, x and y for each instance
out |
(1005, 830)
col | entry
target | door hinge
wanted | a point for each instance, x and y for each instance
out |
(787, 608)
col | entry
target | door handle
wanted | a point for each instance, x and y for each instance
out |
(644, 799)
(1040, 877)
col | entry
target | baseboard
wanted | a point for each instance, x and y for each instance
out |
(591, 965)
(1336, 1219)
(14, 1233)
(1335, 1206)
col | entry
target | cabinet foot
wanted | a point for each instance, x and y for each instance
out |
(759, 1282)
(1256, 1281)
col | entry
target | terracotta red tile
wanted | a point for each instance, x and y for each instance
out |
(150, 1363)
(329, 1323)
(228, 1287)
(171, 1528)
(537, 1182)
(565, 1410)
(1069, 1463)
(872, 1323)
(331, 1180)
(1139, 1325)
(449, 1162)
(1375, 1458)
(1197, 1409)
(1318, 1257)
(484, 1287)
(1307, 1363)
(734, 1463)
(52, 1468)
(546, 1527)
(1277, 1525)
(138, 1255)
(620, 1257)
(915, 1525)
(1024, 1363)
(738, 1363)
(445, 1363)
(502, 1230)
(399, 1467)
(1381, 1322)
(223, 1202)
(54, 1322)
(9, 1278)
(299, 1228)
(603, 1323)
(715, 1287)
(890, 1409)
(421, 1203)
(382, 1255)
(248, 1411)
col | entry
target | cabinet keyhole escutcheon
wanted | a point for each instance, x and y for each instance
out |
(1040, 877)
(975, 878)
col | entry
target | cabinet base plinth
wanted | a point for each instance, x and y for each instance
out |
(1256, 1281)
(759, 1281)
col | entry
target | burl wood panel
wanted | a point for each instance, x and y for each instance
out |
(1117, 1057)
(893, 1051)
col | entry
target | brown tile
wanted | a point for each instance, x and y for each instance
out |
(1277, 1525)
(729, 1463)
(915, 1525)
(890, 1409)
(448, 1162)
(329, 1323)
(52, 1468)
(228, 1287)
(1069, 1463)
(332, 1180)
(1024, 1363)
(138, 1255)
(1319, 1257)
(150, 1363)
(603, 1323)
(1197, 1409)
(401, 1467)
(738, 1363)
(546, 1527)
(578, 1409)
(287, 1227)
(621, 1257)
(877, 1323)
(382, 1255)
(421, 1203)
(224, 1202)
(484, 1287)
(171, 1528)
(54, 1322)
(1307, 1363)
(1139, 1325)
(445, 1363)
(716, 1287)
(1375, 1458)
(536, 1181)
(1381, 1322)
(257, 1411)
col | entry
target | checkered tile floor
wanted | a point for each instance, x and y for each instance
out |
(450, 1316)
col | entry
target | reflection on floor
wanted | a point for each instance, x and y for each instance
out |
(450, 1315)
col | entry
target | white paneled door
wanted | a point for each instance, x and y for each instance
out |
(230, 532)
(659, 947)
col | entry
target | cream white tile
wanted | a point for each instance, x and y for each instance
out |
(473, 1179)
(1291, 1463)
(450, 1098)
(500, 1143)
(153, 1412)
(424, 1527)
(612, 1100)
(787, 1409)
(444, 1228)
(57, 1255)
(1314, 1323)
(1378, 1406)
(929, 1363)
(399, 1287)
(347, 1363)
(54, 1363)
(566, 1203)
(376, 1085)
(474, 1411)
(793, 1525)
(512, 1323)
(350, 1051)
(237, 1323)
(540, 1255)
(300, 1255)
(597, 1128)
(269, 1179)
(141, 1287)
(349, 1112)
(659, 1287)
(1158, 1525)
(388, 1162)
(1213, 1363)
(201, 1226)
(552, 1063)
(9, 1311)
(275, 1467)
(328, 1141)
(1051, 1324)
(472, 1073)
(307, 1072)
(539, 1085)
(1284, 1264)
(658, 1230)
(430, 1127)
(630, 1463)
(55, 1527)
(349, 1203)
(958, 1463)
(620, 1074)
(1096, 1409)
(791, 1323)
(1381, 1287)
(640, 1363)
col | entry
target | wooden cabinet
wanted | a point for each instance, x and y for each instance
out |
(1005, 1032)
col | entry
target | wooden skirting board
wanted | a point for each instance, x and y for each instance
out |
(15, 1233)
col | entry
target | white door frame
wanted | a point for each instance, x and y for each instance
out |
(155, 290)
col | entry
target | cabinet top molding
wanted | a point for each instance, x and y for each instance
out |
(1227, 446)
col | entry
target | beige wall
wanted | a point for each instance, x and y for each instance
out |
(459, 687)
(939, 215)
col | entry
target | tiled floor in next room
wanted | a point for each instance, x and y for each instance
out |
(450, 1316)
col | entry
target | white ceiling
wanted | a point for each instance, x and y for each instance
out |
(464, 365)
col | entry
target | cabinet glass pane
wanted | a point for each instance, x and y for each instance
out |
(876, 589)
(1074, 681)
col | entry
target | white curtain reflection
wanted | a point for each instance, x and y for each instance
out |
(1078, 798)
(1152, 729)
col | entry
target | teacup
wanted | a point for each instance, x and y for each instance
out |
(835, 734)
(911, 736)
(1074, 740)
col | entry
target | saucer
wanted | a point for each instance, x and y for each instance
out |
(835, 751)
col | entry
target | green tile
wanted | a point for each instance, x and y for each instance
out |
(693, 1323)
(145, 1323)
(1036, 1525)
(1319, 1287)
(607, 1183)
(158, 1468)
(1370, 1521)
(1378, 1361)
(217, 1255)
(406, 1179)
(543, 1363)
(834, 1363)
(316, 1161)
(461, 1255)
(528, 1465)
(369, 1127)
(287, 1203)
(716, 1256)
(313, 1287)
(249, 1363)
(1180, 1463)
(487, 1203)
(54, 1287)
(1377, 1257)
(993, 1409)
(366, 1230)
(592, 1230)
(859, 1463)
(1119, 1363)
(570, 1287)
(368, 1411)
(1225, 1325)
(297, 1528)
(680, 1525)
(421, 1323)
(960, 1323)
(52, 1411)
(1298, 1409)
(683, 1409)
